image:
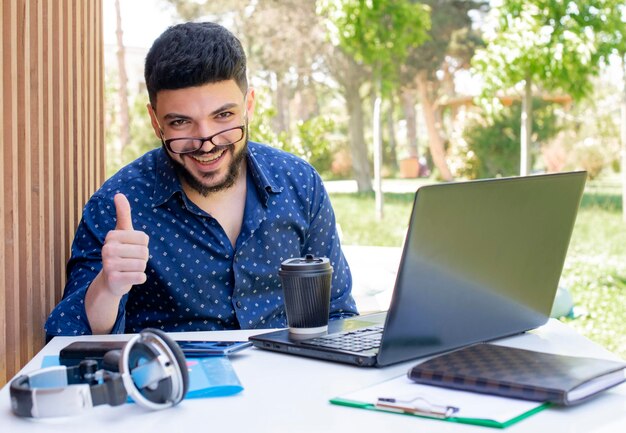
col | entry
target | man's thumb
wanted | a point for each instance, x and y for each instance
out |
(122, 210)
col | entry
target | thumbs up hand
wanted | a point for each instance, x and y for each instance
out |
(124, 253)
(122, 212)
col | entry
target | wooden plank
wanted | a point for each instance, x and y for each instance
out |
(71, 106)
(39, 192)
(3, 202)
(50, 151)
(99, 115)
(61, 142)
(10, 172)
(78, 40)
(24, 316)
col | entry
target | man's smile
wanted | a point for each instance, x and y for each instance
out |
(207, 158)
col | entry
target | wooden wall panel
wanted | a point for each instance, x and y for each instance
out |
(3, 246)
(52, 140)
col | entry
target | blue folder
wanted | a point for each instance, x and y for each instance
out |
(212, 376)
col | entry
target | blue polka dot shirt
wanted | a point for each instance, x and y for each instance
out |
(196, 280)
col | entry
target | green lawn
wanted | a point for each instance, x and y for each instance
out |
(595, 268)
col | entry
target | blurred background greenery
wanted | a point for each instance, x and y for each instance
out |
(451, 83)
(465, 88)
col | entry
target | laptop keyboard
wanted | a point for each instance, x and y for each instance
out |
(358, 340)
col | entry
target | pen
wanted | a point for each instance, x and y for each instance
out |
(414, 407)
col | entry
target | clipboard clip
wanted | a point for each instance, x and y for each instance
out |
(416, 406)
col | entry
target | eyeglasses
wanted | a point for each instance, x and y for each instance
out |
(223, 138)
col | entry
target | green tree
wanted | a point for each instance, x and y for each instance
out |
(612, 43)
(351, 78)
(430, 69)
(377, 33)
(547, 43)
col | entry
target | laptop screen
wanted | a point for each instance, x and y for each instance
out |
(482, 260)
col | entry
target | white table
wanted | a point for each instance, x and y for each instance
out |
(284, 393)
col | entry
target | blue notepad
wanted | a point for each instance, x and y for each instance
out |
(212, 376)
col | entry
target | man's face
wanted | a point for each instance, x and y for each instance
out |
(199, 112)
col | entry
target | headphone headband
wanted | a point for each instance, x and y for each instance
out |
(37, 395)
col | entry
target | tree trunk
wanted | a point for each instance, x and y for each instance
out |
(623, 137)
(281, 121)
(123, 80)
(526, 130)
(407, 96)
(358, 149)
(435, 141)
(350, 76)
(305, 101)
(378, 151)
(391, 128)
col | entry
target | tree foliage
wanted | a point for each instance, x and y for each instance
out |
(450, 35)
(612, 31)
(551, 43)
(377, 33)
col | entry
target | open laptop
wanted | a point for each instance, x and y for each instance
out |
(481, 260)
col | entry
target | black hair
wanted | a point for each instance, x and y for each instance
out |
(193, 54)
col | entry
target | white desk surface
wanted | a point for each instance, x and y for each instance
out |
(285, 393)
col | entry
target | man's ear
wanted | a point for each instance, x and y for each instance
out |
(154, 121)
(250, 103)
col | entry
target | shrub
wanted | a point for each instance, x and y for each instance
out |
(492, 145)
(312, 139)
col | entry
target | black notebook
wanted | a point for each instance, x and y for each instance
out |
(519, 373)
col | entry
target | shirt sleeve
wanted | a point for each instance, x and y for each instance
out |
(69, 316)
(323, 241)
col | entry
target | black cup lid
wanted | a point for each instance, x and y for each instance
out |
(306, 263)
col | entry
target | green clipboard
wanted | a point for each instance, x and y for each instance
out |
(403, 396)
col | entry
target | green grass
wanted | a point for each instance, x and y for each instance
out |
(594, 271)
(356, 216)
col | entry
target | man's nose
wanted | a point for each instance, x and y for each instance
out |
(207, 146)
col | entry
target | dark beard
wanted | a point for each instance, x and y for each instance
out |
(233, 172)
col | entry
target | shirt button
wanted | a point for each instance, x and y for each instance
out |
(238, 304)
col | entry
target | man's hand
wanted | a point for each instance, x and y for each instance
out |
(124, 253)
(124, 258)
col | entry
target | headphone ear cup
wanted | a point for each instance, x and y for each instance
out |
(154, 370)
(181, 361)
(111, 360)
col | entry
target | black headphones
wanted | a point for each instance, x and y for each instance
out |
(151, 369)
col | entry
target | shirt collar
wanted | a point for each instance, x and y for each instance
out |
(264, 184)
(167, 182)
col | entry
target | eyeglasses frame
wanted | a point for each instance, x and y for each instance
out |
(167, 143)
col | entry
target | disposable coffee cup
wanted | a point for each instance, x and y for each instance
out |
(306, 285)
